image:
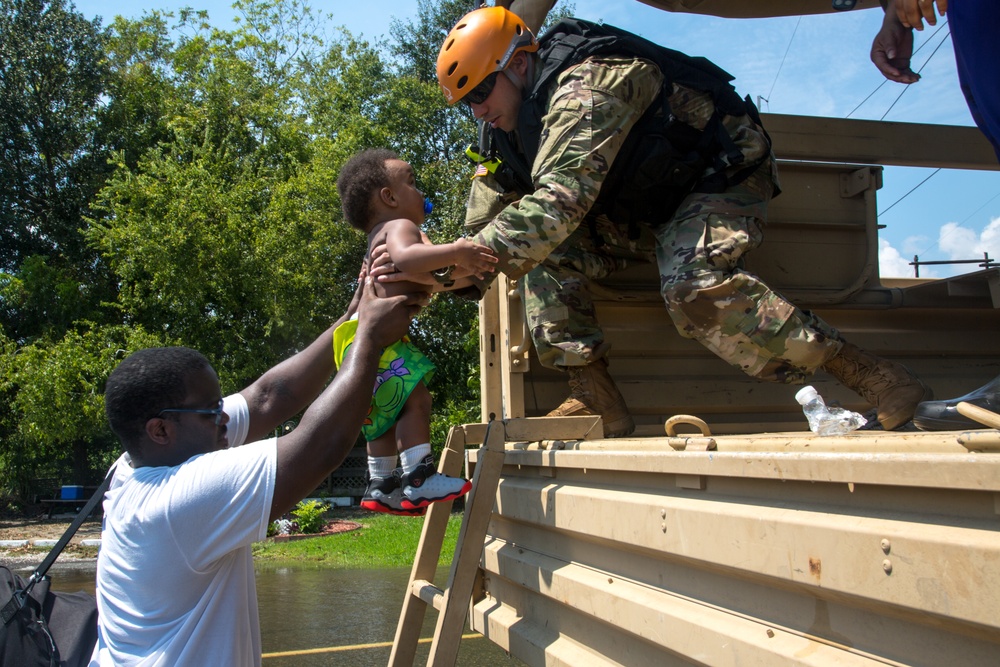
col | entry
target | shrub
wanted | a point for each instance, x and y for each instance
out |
(310, 515)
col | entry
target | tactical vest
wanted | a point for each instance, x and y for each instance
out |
(662, 159)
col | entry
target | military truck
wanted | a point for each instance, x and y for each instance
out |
(724, 532)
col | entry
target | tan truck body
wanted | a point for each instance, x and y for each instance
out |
(748, 540)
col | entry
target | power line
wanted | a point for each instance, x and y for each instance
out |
(787, 49)
(931, 175)
(967, 218)
(943, 40)
(885, 81)
(884, 211)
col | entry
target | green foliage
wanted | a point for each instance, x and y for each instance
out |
(54, 425)
(175, 184)
(311, 516)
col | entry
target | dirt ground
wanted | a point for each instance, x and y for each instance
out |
(38, 527)
(41, 528)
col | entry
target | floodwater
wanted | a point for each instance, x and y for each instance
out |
(316, 616)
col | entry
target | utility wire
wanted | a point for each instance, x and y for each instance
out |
(967, 218)
(787, 49)
(885, 81)
(883, 211)
(943, 40)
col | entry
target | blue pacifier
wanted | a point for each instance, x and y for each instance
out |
(428, 206)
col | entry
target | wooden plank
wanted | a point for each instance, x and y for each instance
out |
(404, 646)
(468, 550)
(911, 460)
(490, 375)
(514, 348)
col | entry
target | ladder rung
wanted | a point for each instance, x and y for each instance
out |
(428, 592)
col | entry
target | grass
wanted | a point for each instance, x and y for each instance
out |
(383, 541)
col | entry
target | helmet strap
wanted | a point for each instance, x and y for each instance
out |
(519, 83)
(514, 78)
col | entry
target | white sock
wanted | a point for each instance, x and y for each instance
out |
(381, 466)
(414, 456)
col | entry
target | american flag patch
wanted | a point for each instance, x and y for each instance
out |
(480, 171)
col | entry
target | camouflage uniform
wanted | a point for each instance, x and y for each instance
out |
(540, 239)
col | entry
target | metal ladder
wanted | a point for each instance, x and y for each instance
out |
(451, 602)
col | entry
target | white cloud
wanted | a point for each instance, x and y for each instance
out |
(893, 265)
(989, 240)
(958, 242)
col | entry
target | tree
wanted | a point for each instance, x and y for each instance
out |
(52, 76)
(55, 425)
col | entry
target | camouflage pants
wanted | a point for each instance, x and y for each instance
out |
(708, 296)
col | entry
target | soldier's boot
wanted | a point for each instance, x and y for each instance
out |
(889, 386)
(593, 392)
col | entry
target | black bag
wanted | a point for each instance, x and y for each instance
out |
(45, 628)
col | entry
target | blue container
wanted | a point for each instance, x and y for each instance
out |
(71, 493)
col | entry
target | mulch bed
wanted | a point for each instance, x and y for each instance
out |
(333, 527)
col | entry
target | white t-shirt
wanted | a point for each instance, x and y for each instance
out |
(175, 578)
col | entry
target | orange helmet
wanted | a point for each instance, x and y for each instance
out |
(482, 42)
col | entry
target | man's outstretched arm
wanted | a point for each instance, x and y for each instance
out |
(288, 387)
(330, 426)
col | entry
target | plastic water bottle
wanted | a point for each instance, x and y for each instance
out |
(825, 420)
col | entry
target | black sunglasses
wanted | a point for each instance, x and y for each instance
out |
(217, 411)
(479, 94)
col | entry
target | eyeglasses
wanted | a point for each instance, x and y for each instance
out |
(217, 411)
(479, 94)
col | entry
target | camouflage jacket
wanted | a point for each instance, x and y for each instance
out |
(590, 110)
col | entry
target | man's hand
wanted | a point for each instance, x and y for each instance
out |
(386, 320)
(893, 48)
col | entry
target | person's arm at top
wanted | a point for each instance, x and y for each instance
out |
(287, 388)
(330, 426)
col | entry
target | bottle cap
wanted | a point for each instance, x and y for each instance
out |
(806, 394)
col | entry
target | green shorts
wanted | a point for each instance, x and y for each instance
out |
(401, 367)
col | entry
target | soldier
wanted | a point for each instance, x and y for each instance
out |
(603, 150)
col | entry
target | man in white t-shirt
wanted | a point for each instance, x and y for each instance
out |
(175, 579)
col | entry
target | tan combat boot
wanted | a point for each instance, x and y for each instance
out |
(888, 386)
(593, 392)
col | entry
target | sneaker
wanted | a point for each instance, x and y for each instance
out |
(425, 485)
(386, 496)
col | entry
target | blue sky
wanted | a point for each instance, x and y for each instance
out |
(813, 65)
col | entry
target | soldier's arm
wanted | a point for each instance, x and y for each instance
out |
(590, 113)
